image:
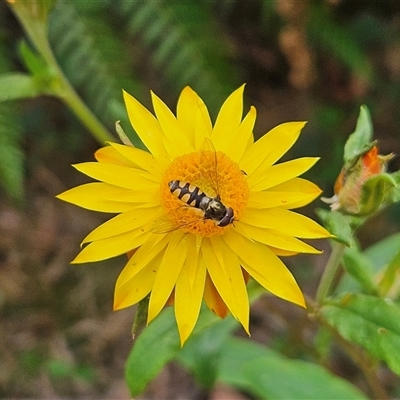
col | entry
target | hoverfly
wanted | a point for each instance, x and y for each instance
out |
(211, 207)
(193, 196)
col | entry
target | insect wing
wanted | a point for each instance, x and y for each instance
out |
(164, 225)
(208, 157)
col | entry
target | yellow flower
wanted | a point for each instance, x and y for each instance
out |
(199, 246)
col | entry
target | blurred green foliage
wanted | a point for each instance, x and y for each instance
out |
(318, 60)
(106, 45)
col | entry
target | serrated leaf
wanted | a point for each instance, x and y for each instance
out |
(337, 224)
(360, 268)
(358, 141)
(370, 322)
(266, 374)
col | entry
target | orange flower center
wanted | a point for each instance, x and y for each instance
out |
(209, 175)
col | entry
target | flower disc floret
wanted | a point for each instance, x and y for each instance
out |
(214, 173)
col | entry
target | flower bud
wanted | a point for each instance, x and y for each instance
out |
(362, 184)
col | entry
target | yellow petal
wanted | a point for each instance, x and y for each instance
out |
(282, 253)
(143, 199)
(138, 157)
(299, 185)
(168, 273)
(171, 128)
(229, 118)
(193, 116)
(145, 125)
(271, 147)
(236, 146)
(95, 196)
(285, 221)
(129, 221)
(230, 276)
(213, 299)
(111, 247)
(129, 178)
(109, 155)
(270, 176)
(270, 199)
(144, 255)
(226, 275)
(275, 239)
(189, 291)
(137, 288)
(265, 267)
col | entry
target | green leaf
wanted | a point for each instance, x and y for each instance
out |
(156, 346)
(44, 79)
(360, 268)
(159, 343)
(266, 374)
(394, 195)
(337, 224)
(358, 141)
(32, 61)
(202, 353)
(375, 193)
(390, 276)
(11, 155)
(382, 252)
(17, 86)
(370, 322)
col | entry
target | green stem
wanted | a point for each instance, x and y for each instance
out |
(330, 271)
(36, 30)
(140, 317)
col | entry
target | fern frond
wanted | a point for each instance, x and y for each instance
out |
(81, 60)
(332, 37)
(185, 45)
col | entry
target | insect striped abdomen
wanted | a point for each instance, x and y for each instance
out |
(188, 193)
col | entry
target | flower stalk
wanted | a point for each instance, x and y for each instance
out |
(33, 19)
(330, 272)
